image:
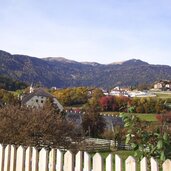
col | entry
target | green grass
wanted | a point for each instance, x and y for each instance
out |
(124, 154)
(165, 95)
(143, 116)
(147, 117)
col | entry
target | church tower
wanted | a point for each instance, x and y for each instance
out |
(31, 88)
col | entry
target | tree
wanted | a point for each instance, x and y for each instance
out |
(117, 134)
(164, 118)
(147, 105)
(11, 85)
(142, 87)
(72, 96)
(93, 123)
(39, 127)
(159, 106)
(147, 141)
(107, 103)
(8, 97)
(122, 103)
(114, 103)
(97, 93)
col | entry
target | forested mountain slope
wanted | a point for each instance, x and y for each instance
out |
(61, 72)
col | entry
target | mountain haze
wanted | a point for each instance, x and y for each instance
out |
(61, 72)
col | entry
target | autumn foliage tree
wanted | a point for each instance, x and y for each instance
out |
(8, 97)
(39, 127)
(107, 103)
(165, 117)
(93, 123)
(114, 103)
(72, 96)
(147, 105)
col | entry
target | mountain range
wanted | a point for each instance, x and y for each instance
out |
(61, 72)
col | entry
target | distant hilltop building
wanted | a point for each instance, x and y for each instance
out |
(163, 85)
(37, 98)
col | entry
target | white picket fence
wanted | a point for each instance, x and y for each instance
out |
(30, 159)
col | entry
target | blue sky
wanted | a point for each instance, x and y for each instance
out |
(104, 31)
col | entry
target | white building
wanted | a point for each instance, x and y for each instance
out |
(168, 85)
(118, 92)
(163, 85)
(158, 86)
(37, 98)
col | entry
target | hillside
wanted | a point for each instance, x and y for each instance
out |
(11, 85)
(61, 72)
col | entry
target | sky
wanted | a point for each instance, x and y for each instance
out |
(103, 31)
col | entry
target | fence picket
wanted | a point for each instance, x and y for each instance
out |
(87, 162)
(109, 163)
(52, 160)
(68, 161)
(7, 158)
(43, 160)
(28, 159)
(143, 164)
(2, 151)
(79, 161)
(130, 164)
(59, 160)
(118, 163)
(154, 165)
(97, 162)
(167, 165)
(13, 158)
(20, 160)
(35, 157)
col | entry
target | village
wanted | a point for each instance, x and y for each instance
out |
(95, 125)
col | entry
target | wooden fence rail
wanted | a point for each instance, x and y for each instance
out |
(31, 159)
